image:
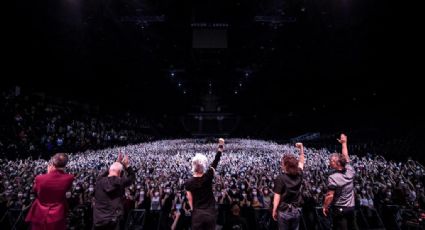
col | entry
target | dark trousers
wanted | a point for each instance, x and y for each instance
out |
(204, 219)
(109, 225)
(289, 219)
(344, 218)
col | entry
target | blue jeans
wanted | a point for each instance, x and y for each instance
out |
(289, 219)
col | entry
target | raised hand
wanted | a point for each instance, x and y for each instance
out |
(342, 139)
(125, 162)
(120, 156)
(299, 145)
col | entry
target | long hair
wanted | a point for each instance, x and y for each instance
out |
(199, 163)
(290, 164)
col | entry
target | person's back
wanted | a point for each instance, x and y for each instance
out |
(201, 188)
(108, 209)
(49, 209)
(342, 183)
(51, 187)
(287, 191)
(108, 194)
(292, 189)
(199, 191)
(50, 204)
(340, 194)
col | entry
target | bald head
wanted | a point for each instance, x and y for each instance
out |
(115, 169)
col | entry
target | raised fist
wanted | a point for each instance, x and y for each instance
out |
(342, 139)
(299, 145)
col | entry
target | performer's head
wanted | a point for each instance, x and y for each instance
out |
(199, 164)
(59, 160)
(115, 169)
(289, 164)
(337, 161)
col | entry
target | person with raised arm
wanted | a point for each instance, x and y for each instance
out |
(199, 191)
(339, 199)
(287, 199)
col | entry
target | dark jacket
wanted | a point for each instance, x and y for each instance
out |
(109, 193)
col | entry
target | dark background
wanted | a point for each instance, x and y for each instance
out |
(290, 67)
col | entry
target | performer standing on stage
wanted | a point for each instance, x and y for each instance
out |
(287, 191)
(199, 191)
(49, 209)
(340, 195)
(108, 210)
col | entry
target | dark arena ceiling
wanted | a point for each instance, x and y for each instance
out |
(296, 58)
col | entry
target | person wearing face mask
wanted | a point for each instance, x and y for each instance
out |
(256, 203)
(143, 201)
(166, 205)
(50, 207)
(340, 194)
(267, 198)
(287, 191)
(155, 200)
(235, 221)
(199, 191)
(108, 210)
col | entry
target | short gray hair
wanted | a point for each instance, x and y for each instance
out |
(199, 163)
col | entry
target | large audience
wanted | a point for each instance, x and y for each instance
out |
(33, 125)
(32, 128)
(244, 182)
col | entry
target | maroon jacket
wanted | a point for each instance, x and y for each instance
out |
(50, 205)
